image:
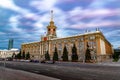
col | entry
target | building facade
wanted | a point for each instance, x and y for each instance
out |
(100, 48)
(8, 53)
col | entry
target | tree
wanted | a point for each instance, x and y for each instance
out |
(23, 55)
(74, 53)
(27, 55)
(55, 55)
(87, 54)
(18, 56)
(47, 56)
(13, 56)
(116, 55)
(65, 54)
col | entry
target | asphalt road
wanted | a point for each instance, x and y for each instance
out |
(12, 74)
(69, 71)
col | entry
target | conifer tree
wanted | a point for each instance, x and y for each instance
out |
(18, 56)
(74, 53)
(116, 55)
(13, 56)
(55, 55)
(23, 55)
(27, 55)
(47, 56)
(65, 54)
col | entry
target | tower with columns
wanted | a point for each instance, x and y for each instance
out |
(51, 28)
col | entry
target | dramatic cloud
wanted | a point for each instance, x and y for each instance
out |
(113, 33)
(43, 5)
(9, 4)
(2, 33)
(26, 21)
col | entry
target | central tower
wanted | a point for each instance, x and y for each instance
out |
(51, 28)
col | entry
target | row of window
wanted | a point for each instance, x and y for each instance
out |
(68, 46)
(66, 41)
(74, 39)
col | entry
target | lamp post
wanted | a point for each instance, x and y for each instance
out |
(41, 49)
(48, 44)
(39, 52)
(4, 59)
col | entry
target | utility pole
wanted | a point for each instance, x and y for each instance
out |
(48, 44)
(4, 59)
(39, 52)
(41, 49)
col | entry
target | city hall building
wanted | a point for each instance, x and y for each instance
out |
(100, 48)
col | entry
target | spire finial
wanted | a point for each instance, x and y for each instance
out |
(51, 15)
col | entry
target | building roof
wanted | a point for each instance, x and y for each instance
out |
(14, 49)
(87, 33)
(30, 42)
(84, 34)
(3, 50)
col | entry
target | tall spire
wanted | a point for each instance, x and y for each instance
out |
(51, 28)
(51, 15)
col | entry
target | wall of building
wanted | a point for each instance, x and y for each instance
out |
(102, 47)
(7, 53)
(105, 49)
(32, 48)
(96, 41)
(109, 49)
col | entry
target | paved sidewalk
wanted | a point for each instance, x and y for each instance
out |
(110, 64)
(10, 74)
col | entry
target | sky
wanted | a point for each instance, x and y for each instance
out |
(26, 20)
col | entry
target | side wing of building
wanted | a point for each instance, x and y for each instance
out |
(32, 48)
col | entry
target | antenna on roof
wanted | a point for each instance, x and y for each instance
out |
(86, 30)
(97, 29)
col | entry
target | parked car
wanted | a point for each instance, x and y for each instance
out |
(35, 61)
(43, 61)
(49, 62)
(9, 59)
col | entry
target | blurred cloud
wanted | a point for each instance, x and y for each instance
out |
(32, 21)
(9, 4)
(43, 5)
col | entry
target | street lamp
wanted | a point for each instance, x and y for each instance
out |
(41, 49)
(39, 53)
(4, 59)
(48, 44)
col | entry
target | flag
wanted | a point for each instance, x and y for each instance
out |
(45, 38)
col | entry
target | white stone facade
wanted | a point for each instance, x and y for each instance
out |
(8, 53)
